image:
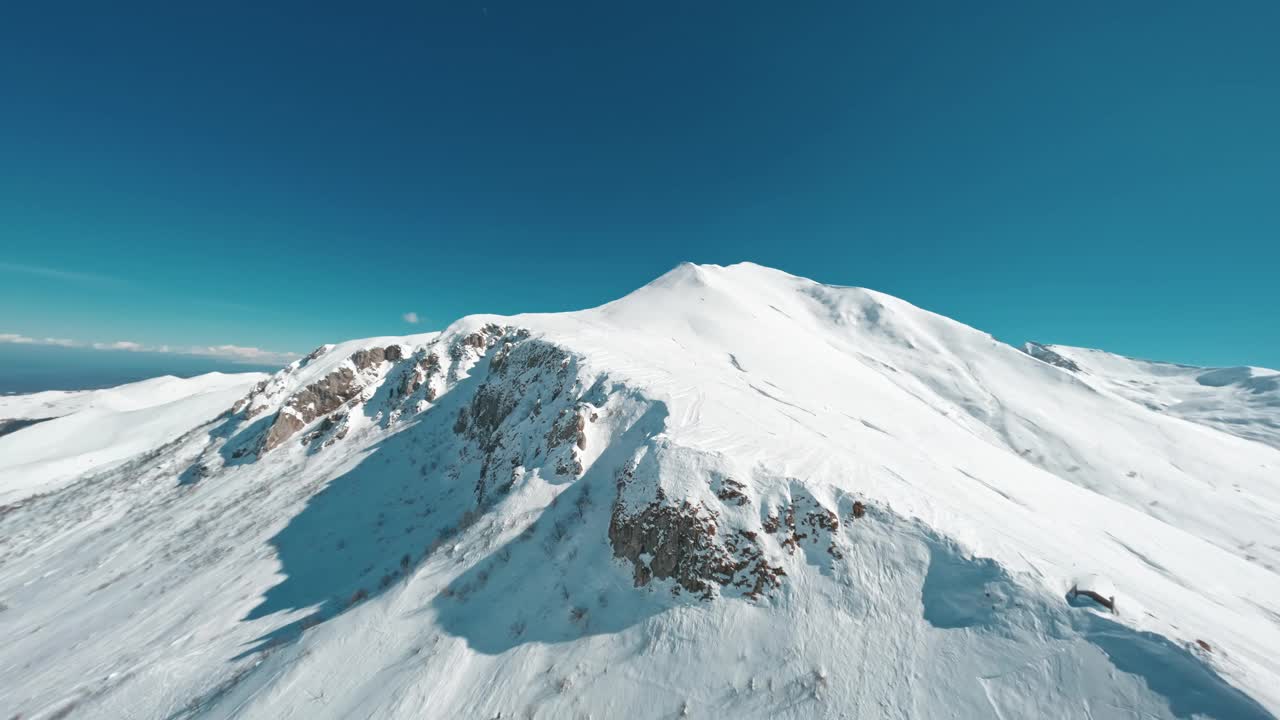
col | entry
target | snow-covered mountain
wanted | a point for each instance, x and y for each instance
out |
(88, 431)
(732, 493)
(1243, 401)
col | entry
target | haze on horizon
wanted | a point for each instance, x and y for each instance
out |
(241, 184)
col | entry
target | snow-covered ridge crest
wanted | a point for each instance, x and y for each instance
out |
(1242, 401)
(732, 492)
(73, 434)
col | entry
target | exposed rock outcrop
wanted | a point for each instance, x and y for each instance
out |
(1044, 354)
(568, 435)
(469, 348)
(340, 387)
(805, 521)
(246, 402)
(682, 542)
(421, 373)
(526, 411)
(313, 355)
(732, 491)
(313, 401)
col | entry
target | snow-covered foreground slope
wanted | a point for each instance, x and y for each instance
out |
(66, 435)
(733, 493)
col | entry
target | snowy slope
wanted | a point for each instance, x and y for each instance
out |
(1243, 401)
(732, 493)
(82, 432)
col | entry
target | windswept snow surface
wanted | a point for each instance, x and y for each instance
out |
(732, 493)
(88, 431)
(1243, 401)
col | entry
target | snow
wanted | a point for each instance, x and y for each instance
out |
(1243, 401)
(358, 576)
(84, 432)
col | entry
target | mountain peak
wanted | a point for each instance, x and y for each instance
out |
(767, 496)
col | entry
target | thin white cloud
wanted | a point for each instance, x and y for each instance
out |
(411, 318)
(240, 353)
(232, 353)
(73, 276)
(119, 345)
(16, 339)
(61, 342)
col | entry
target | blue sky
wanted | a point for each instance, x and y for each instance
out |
(194, 176)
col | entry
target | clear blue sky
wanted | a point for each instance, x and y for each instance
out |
(1097, 173)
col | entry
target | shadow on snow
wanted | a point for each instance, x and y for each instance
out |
(411, 498)
(964, 592)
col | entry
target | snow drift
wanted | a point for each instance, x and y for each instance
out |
(732, 493)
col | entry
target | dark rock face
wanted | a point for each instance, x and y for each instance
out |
(569, 431)
(313, 401)
(423, 372)
(679, 542)
(417, 375)
(365, 359)
(313, 355)
(1044, 354)
(805, 522)
(247, 400)
(338, 388)
(682, 542)
(505, 418)
(733, 491)
(491, 405)
(475, 345)
(326, 427)
(282, 428)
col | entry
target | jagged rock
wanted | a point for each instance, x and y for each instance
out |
(569, 428)
(318, 399)
(772, 524)
(313, 401)
(419, 374)
(817, 524)
(681, 542)
(824, 519)
(502, 416)
(325, 427)
(474, 346)
(365, 359)
(732, 491)
(498, 363)
(568, 433)
(480, 340)
(1044, 354)
(754, 574)
(489, 408)
(282, 428)
(245, 401)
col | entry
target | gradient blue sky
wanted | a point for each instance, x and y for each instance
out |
(200, 174)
